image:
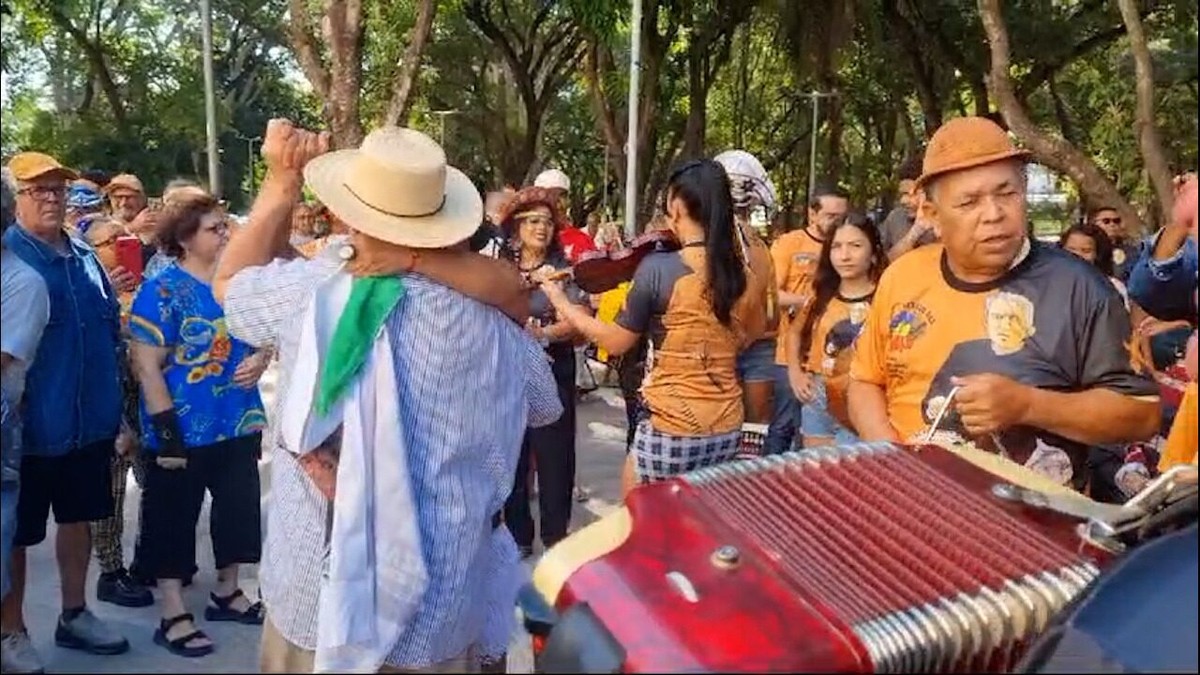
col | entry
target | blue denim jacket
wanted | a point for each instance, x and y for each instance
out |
(1165, 288)
(72, 391)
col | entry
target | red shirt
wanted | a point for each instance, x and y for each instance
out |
(575, 242)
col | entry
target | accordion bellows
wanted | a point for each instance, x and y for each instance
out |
(871, 558)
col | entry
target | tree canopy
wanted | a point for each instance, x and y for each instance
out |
(515, 86)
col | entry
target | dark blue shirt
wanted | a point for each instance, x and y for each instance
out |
(1165, 288)
(72, 391)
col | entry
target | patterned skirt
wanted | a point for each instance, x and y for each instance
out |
(661, 456)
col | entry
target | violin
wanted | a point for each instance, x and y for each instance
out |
(601, 271)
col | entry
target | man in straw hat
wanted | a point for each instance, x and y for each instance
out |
(990, 338)
(400, 413)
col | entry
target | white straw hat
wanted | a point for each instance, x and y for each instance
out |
(397, 187)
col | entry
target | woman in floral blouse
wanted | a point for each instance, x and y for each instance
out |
(202, 419)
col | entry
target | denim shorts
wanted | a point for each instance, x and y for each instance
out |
(756, 363)
(815, 419)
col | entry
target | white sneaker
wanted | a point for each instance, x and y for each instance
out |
(17, 654)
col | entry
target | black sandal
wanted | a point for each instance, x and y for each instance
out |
(179, 646)
(253, 616)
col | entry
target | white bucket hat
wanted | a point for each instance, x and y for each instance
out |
(397, 187)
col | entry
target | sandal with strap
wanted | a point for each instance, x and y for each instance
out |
(179, 646)
(253, 616)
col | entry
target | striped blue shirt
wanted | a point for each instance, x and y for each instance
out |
(470, 382)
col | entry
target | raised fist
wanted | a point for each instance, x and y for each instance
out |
(287, 148)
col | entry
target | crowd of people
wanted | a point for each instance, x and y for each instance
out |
(431, 344)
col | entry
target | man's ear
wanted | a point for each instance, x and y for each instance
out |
(927, 210)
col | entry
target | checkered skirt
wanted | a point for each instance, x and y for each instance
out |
(660, 456)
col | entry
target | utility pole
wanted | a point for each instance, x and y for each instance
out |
(250, 161)
(443, 114)
(210, 100)
(816, 97)
(631, 159)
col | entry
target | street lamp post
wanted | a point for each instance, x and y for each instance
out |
(210, 100)
(443, 114)
(250, 161)
(816, 97)
(635, 72)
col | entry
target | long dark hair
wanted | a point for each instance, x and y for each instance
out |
(827, 280)
(1104, 246)
(703, 188)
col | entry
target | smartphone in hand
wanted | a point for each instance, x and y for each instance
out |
(129, 255)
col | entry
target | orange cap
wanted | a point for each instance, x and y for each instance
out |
(31, 165)
(965, 143)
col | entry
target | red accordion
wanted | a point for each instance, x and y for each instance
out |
(873, 558)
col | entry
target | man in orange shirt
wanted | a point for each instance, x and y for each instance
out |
(992, 338)
(795, 256)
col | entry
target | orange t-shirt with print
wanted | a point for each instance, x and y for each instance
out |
(1184, 438)
(762, 318)
(795, 257)
(691, 386)
(834, 333)
(1053, 322)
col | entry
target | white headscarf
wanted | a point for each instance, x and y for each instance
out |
(750, 186)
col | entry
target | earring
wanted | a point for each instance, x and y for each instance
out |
(347, 253)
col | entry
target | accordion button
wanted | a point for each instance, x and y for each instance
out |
(727, 556)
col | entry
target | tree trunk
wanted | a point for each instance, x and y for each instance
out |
(1050, 150)
(835, 121)
(99, 66)
(1147, 131)
(927, 94)
(404, 89)
(693, 135)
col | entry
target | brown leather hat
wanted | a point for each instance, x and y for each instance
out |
(965, 143)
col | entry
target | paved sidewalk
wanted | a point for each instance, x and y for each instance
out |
(600, 457)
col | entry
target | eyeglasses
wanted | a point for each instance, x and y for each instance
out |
(44, 193)
(1108, 221)
(535, 220)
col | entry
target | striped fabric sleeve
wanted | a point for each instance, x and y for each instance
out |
(259, 299)
(540, 389)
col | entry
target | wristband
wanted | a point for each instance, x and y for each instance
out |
(170, 438)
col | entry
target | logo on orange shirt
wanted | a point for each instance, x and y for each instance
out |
(908, 323)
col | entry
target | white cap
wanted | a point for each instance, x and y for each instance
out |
(553, 179)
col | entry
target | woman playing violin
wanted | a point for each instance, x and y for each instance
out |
(692, 303)
(530, 223)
